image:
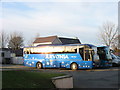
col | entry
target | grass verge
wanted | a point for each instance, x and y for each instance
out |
(27, 79)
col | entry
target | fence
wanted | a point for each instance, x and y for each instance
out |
(17, 60)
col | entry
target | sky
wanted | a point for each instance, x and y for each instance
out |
(67, 18)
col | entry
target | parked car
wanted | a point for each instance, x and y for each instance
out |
(115, 60)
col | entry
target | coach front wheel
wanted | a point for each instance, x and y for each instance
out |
(74, 66)
(38, 65)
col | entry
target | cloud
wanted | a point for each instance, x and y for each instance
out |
(63, 19)
(59, 0)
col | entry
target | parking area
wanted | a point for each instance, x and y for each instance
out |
(96, 79)
(91, 78)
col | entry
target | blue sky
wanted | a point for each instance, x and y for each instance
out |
(69, 19)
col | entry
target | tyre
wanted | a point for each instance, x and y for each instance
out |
(74, 66)
(39, 65)
(114, 64)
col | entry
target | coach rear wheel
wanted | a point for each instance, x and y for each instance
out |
(74, 66)
(38, 65)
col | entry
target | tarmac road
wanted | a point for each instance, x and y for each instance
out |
(95, 78)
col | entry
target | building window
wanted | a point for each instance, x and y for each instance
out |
(2, 54)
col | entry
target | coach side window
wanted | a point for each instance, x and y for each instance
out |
(87, 55)
(81, 53)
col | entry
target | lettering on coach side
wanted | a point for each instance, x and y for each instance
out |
(57, 56)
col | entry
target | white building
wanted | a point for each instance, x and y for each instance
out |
(5, 55)
(9, 56)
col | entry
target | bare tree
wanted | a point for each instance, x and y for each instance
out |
(108, 33)
(15, 40)
(116, 42)
(3, 39)
(30, 42)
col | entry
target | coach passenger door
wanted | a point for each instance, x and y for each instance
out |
(88, 58)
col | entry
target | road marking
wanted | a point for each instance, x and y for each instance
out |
(105, 70)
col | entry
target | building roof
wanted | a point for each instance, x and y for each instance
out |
(69, 40)
(63, 40)
(45, 39)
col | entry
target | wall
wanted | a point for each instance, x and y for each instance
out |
(6, 54)
(35, 44)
